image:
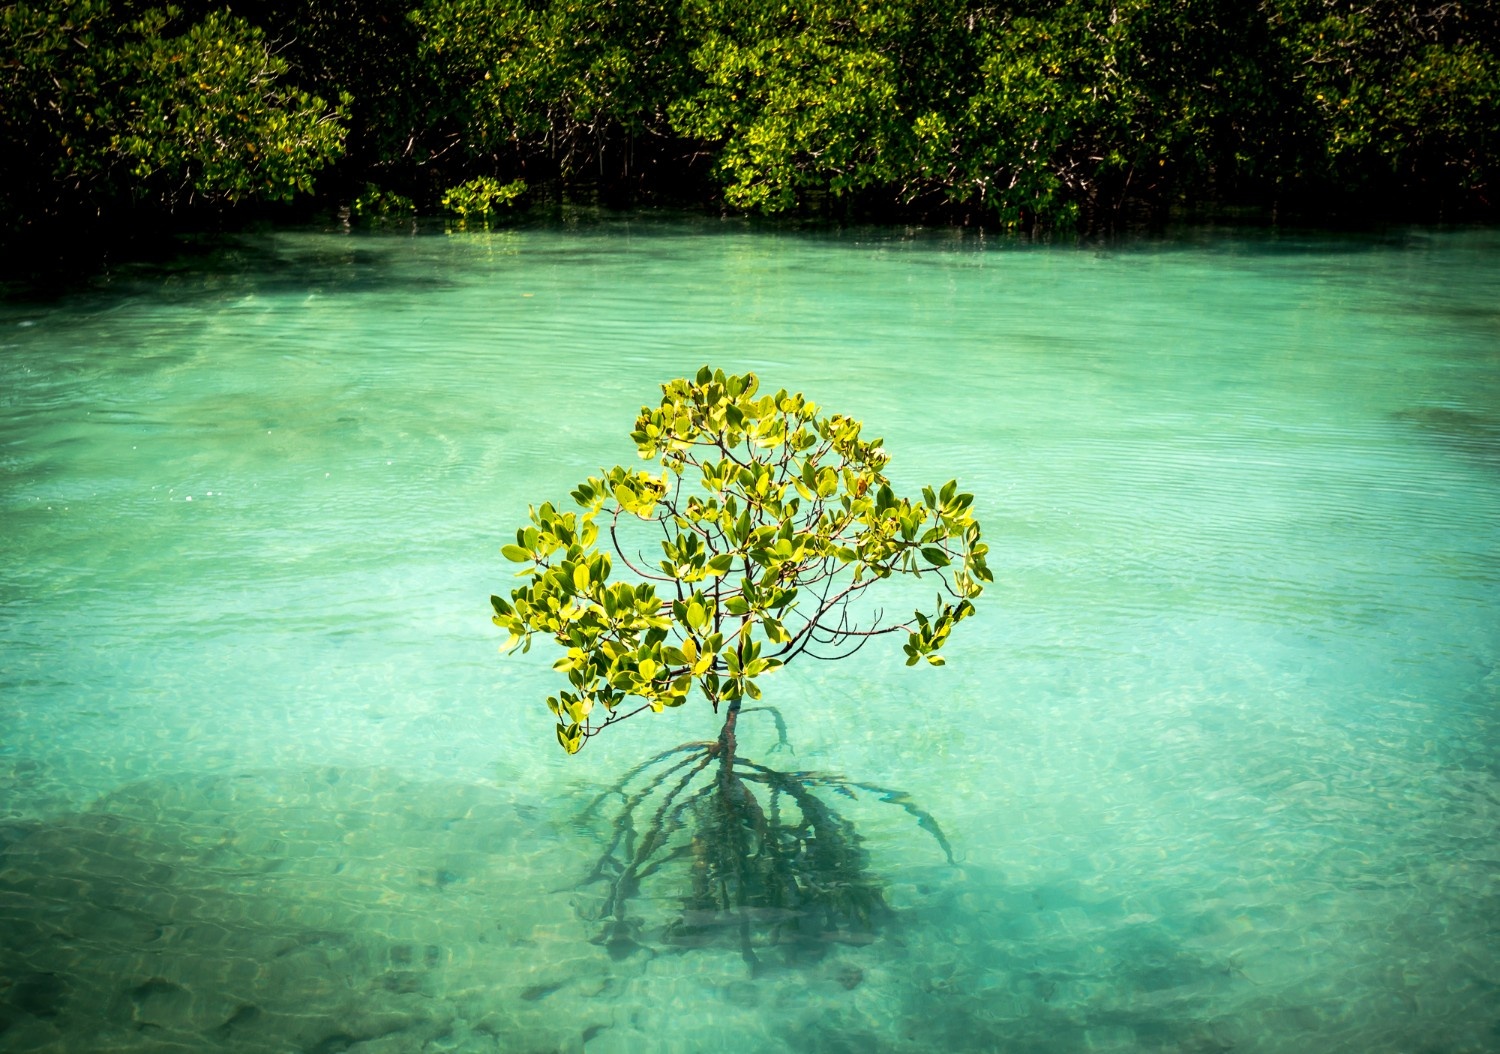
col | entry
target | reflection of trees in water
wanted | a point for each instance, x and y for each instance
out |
(769, 860)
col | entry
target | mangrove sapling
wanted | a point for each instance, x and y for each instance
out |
(773, 521)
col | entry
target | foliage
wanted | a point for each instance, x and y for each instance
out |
(202, 111)
(375, 202)
(560, 81)
(1397, 95)
(773, 519)
(367, 50)
(1079, 106)
(481, 196)
(101, 105)
(805, 99)
(1028, 114)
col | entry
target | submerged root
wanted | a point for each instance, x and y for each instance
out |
(760, 857)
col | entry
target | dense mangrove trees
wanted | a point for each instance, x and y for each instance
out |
(1014, 113)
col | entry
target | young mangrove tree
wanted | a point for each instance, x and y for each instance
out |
(771, 521)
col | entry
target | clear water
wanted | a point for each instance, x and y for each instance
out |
(1218, 759)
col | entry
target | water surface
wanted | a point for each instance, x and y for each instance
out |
(1218, 758)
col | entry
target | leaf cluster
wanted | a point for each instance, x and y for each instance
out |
(102, 103)
(771, 519)
(1026, 114)
(481, 196)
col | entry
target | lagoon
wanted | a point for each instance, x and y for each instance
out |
(1217, 758)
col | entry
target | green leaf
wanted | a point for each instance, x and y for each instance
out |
(935, 556)
(516, 554)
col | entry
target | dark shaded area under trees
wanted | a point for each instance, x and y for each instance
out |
(1027, 114)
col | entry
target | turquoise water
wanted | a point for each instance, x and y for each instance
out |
(1217, 759)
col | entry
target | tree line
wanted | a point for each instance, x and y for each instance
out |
(1023, 114)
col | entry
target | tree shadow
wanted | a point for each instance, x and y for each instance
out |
(709, 848)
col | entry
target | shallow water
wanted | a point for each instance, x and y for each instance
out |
(1217, 760)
